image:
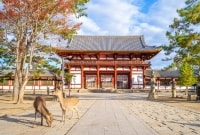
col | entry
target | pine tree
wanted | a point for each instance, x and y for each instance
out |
(184, 36)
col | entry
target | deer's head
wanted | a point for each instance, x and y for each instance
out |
(57, 92)
(49, 119)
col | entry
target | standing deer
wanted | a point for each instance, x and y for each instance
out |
(66, 104)
(40, 107)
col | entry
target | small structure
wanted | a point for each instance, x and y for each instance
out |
(198, 91)
(152, 93)
(173, 88)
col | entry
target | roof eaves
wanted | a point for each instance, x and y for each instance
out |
(142, 41)
(136, 51)
(69, 42)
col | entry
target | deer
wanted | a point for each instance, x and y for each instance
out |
(69, 103)
(39, 105)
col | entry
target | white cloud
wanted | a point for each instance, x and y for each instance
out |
(113, 16)
(154, 24)
(126, 17)
(162, 12)
(150, 32)
(90, 27)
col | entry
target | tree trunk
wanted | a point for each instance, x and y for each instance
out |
(20, 93)
(18, 81)
(15, 88)
(21, 90)
(22, 86)
(21, 96)
(23, 74)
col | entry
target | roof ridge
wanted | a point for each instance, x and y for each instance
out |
(109, 35)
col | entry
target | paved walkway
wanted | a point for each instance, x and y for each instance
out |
(110, 117)
(166, 119)
(109, 114)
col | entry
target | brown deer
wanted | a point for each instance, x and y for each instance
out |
(66, 104)
(40, 107)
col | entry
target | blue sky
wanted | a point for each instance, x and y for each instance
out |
(150, 18)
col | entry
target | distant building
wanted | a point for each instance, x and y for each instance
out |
(163, 79)
(45, 81)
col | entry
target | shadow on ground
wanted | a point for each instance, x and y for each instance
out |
(22, 119)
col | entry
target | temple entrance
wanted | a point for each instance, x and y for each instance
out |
(106, 81)
(122, 82)
(91, 81)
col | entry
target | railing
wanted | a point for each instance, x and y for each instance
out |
(92, 62)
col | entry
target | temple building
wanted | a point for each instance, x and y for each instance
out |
(107, 62)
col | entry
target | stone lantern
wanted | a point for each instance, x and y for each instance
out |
(152, 93)
(173, 83)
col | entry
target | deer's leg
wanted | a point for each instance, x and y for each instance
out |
(35, 115)
(35, 119)
(77, 111)
(72, 110)
(41, 120)
(63, 114)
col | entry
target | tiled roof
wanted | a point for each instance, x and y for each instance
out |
(46, 73)
(108, 43)
(161, 73)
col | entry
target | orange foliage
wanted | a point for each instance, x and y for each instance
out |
(41, 8)
(38, 11)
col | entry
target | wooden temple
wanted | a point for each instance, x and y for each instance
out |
(108, 62)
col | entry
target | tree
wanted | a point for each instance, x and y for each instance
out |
(27, 23)
(6, 58)
(186, 77)
(184, 36)
(68, 79)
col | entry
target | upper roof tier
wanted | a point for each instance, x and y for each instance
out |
(107, 44)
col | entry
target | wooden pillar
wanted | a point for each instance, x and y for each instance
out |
(115, 77)
(62, 74)
(82, 77)
(143, 70)
(69, 70)
(98, 78)
(158, 82)
(130, 78)
(144, 81)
